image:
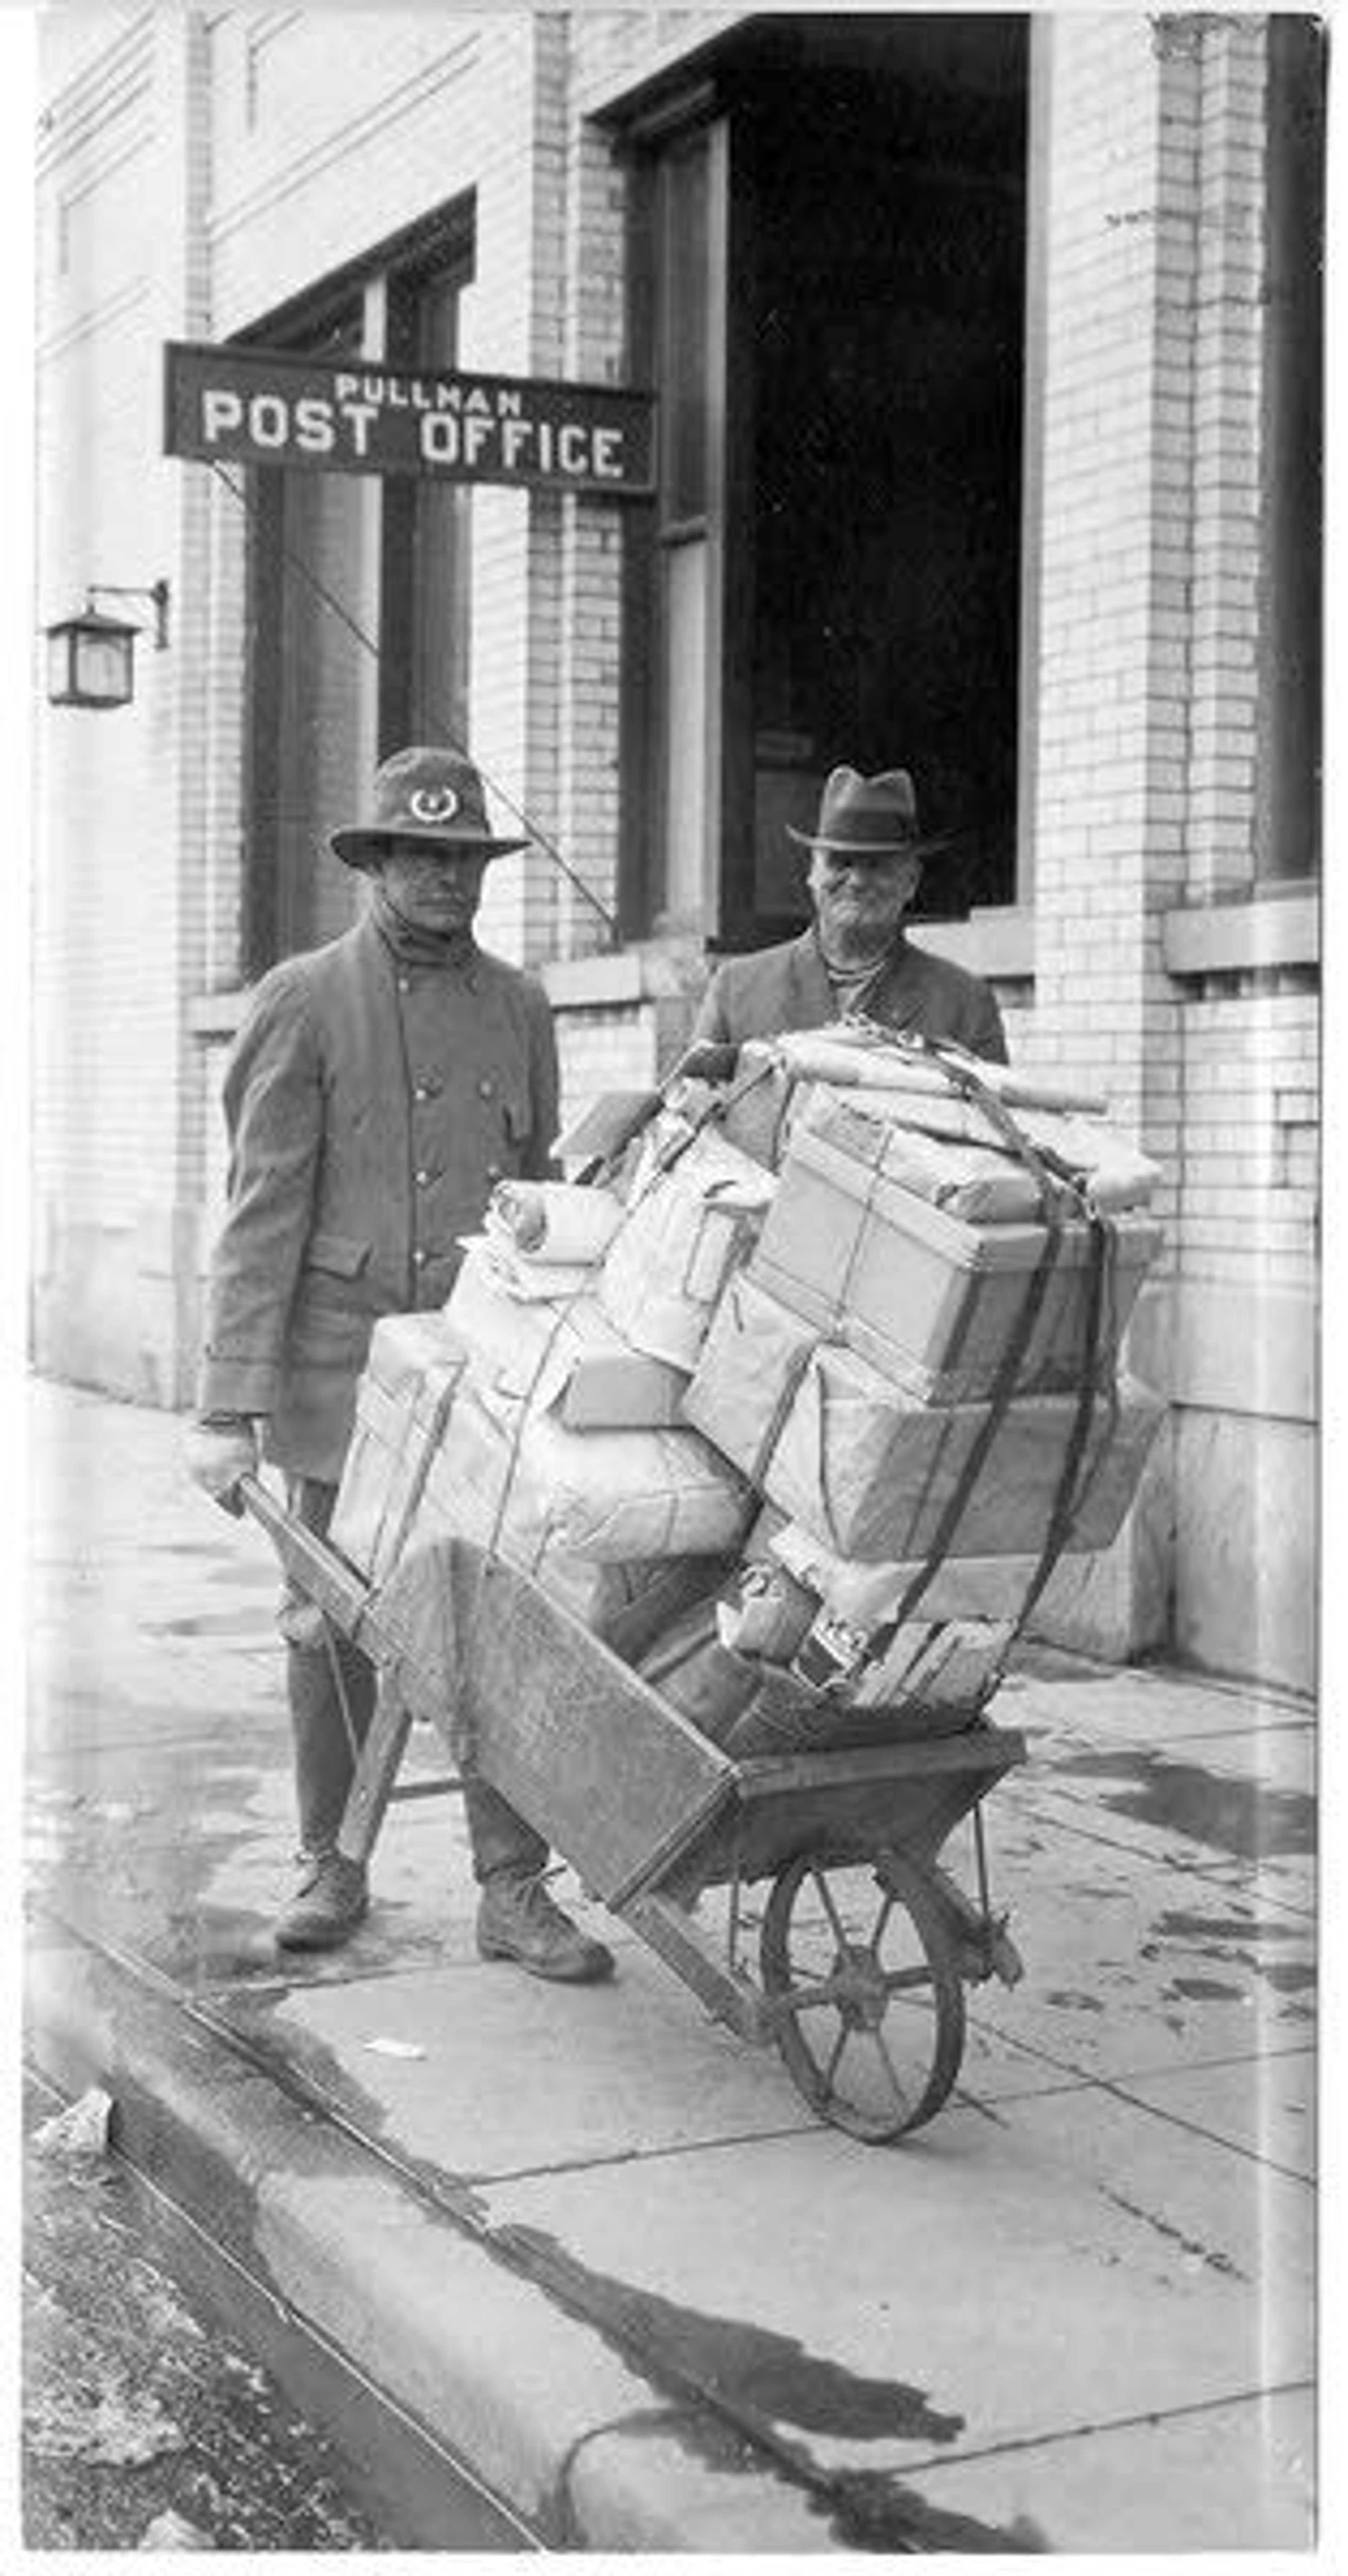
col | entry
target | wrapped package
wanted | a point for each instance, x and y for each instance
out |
(847, 1053)
(1095, 1158)
(689, 1223)
(618, 1602)
(554, 1221)
(976, 1182)
(932, 1676)
(871, 1471)
(544, 1283)
(560, 1353)
(757, 1109)
(865, 1596)
(607, 1496)
(750, 1366)
(929, 1299)
(403, 1401)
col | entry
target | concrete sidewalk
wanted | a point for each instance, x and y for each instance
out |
(594, 2245)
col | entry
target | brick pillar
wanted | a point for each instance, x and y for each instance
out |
(515, 321)
(1117, 112)
(1110, 690)
(179, 300)
(592, 554)
(1150, 584)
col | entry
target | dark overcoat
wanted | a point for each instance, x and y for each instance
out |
(787, 987)
(372, 1104)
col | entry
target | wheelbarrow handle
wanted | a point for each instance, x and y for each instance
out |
(249, 1494)
(323, 1576)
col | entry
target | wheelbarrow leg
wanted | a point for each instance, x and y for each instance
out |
(376, 1771)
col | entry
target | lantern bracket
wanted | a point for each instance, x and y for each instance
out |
(157, 592)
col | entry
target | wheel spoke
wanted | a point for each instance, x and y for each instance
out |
(901, 1981)
(900, 2091)
(828, 1990)
(835, 2056)
(830, 1908)
(881, 1923)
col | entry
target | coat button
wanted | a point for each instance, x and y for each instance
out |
(423, 1180)
(420, 1257)
(493, 1171)
(404, 983)
(486, 1086)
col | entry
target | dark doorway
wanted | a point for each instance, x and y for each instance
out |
(873, 596)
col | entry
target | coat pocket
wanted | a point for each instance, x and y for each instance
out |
(340, 1254)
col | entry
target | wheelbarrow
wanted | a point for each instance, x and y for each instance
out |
(866, 1942)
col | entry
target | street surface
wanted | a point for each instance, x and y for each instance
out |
(142, 2424)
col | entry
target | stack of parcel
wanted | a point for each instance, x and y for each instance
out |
(796, 1397)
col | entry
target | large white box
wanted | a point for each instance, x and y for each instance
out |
(927, 1298)
(508, 1474)
(871, 1471)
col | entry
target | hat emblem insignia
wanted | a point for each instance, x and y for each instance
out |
(433, 804)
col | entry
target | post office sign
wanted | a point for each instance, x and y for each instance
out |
(357, 416)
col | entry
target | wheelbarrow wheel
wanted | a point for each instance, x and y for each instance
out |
(861, 1956)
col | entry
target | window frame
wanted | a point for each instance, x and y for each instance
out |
(378, 293)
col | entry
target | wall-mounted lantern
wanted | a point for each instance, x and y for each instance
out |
(90, 658)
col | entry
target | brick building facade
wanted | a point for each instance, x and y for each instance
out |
(985, 354)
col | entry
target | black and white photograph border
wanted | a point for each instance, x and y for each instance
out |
(410, 2201)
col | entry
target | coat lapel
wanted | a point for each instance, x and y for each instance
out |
(811, 1000)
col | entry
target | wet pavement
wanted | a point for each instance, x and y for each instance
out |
(601, 2248)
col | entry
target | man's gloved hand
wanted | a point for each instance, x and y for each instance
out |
(218, 1452)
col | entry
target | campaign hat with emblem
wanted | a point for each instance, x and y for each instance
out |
(424, 794)
(869, 817)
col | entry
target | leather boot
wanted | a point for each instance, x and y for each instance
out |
(331, 1900)
(517, 1920)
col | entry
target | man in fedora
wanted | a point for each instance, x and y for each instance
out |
(866, 857)
(378, 1090)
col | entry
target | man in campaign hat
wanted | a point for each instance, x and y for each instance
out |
(866, 860)
(378, 1090)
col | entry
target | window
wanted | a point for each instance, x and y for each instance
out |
(424, 674)
(680, 332)
(340, 564)
(828, 286)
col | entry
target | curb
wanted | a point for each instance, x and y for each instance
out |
(557, 2424)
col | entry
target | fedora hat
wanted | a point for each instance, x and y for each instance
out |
(427, 795)
(869, 817)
